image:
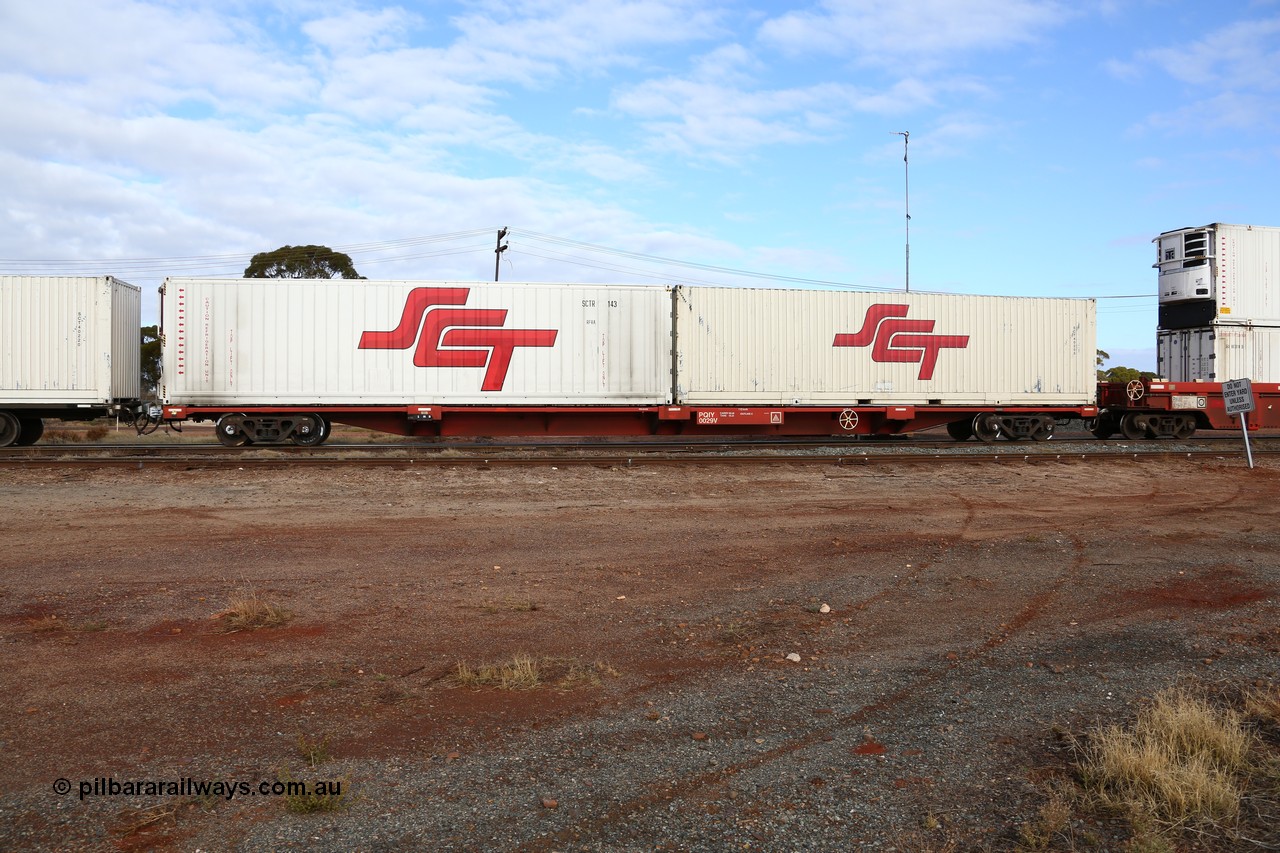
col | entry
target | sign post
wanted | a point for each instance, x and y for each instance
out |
(1237, 397)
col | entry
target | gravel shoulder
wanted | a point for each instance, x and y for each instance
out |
(972, 612)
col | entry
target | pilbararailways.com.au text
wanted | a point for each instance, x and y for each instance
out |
(227, 789)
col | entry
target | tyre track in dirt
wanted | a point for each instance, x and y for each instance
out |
(689, 787)
(1030, 520)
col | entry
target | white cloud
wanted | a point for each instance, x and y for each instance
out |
(1229, 111)
(902, 97)
(1242, 55)
(1236, 67)
(600, 162)
(730, 63)
(1127, 71)
(698, 117)
(359, 32)
(718, 112)
(120, 56)
(926, 33)
(959, 132)
(722, 116)
(579, 35)
(389, 87)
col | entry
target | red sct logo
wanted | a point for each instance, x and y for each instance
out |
(897, 340)
(455, 336)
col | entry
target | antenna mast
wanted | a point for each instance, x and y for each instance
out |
(906, 182)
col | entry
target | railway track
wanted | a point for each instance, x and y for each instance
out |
(629, 454)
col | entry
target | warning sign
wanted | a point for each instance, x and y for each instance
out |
(1237, 396)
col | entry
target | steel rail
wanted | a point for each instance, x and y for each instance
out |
(215, 457)
(850, 445)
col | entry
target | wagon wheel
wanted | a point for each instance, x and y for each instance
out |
(30, 432)
(229, 431)
(986, 427)
(326, 427)
(1133, 426)
(1134, 390)
(309, 431)
(1186, 427)
(848, 420)
(10, 429)
(1044, 431)
(1102, 427)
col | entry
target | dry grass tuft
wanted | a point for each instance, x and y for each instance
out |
(524, 672)
(1263, 704)
(248, 611)
(1176, 766)
(732, 632)
(578, 674)
(97, 432)
(305, 798)
(134, 820)
(519, 673)
(1052, 821)
(1198, 768)
(313, 750)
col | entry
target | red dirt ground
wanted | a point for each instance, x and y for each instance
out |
(944, 583)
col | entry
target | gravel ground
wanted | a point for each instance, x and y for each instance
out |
(974, 613)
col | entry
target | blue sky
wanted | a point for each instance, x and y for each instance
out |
(655, 140)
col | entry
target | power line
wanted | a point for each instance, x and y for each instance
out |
(687, 264)
(190, 260)
(531, 243)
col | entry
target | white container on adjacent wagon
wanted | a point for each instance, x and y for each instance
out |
(1219, 353)
(68, 341)
(812, 348)
(247, 342)
(1219, 273)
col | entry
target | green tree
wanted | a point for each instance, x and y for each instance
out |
(1124, 374)
(1119, 373)
(301, 262)
(150, 360)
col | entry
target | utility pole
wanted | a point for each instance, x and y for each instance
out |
(497, 253)
(906, 178)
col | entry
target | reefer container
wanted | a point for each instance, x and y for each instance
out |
(246, 342)
(68, 341)
(1219, 353)
(1219, 274)
(793, 347)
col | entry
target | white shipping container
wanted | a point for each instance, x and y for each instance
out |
(69, 341)
(357, 342)
(791, 347)
(1219, 353)
(1236, 267)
